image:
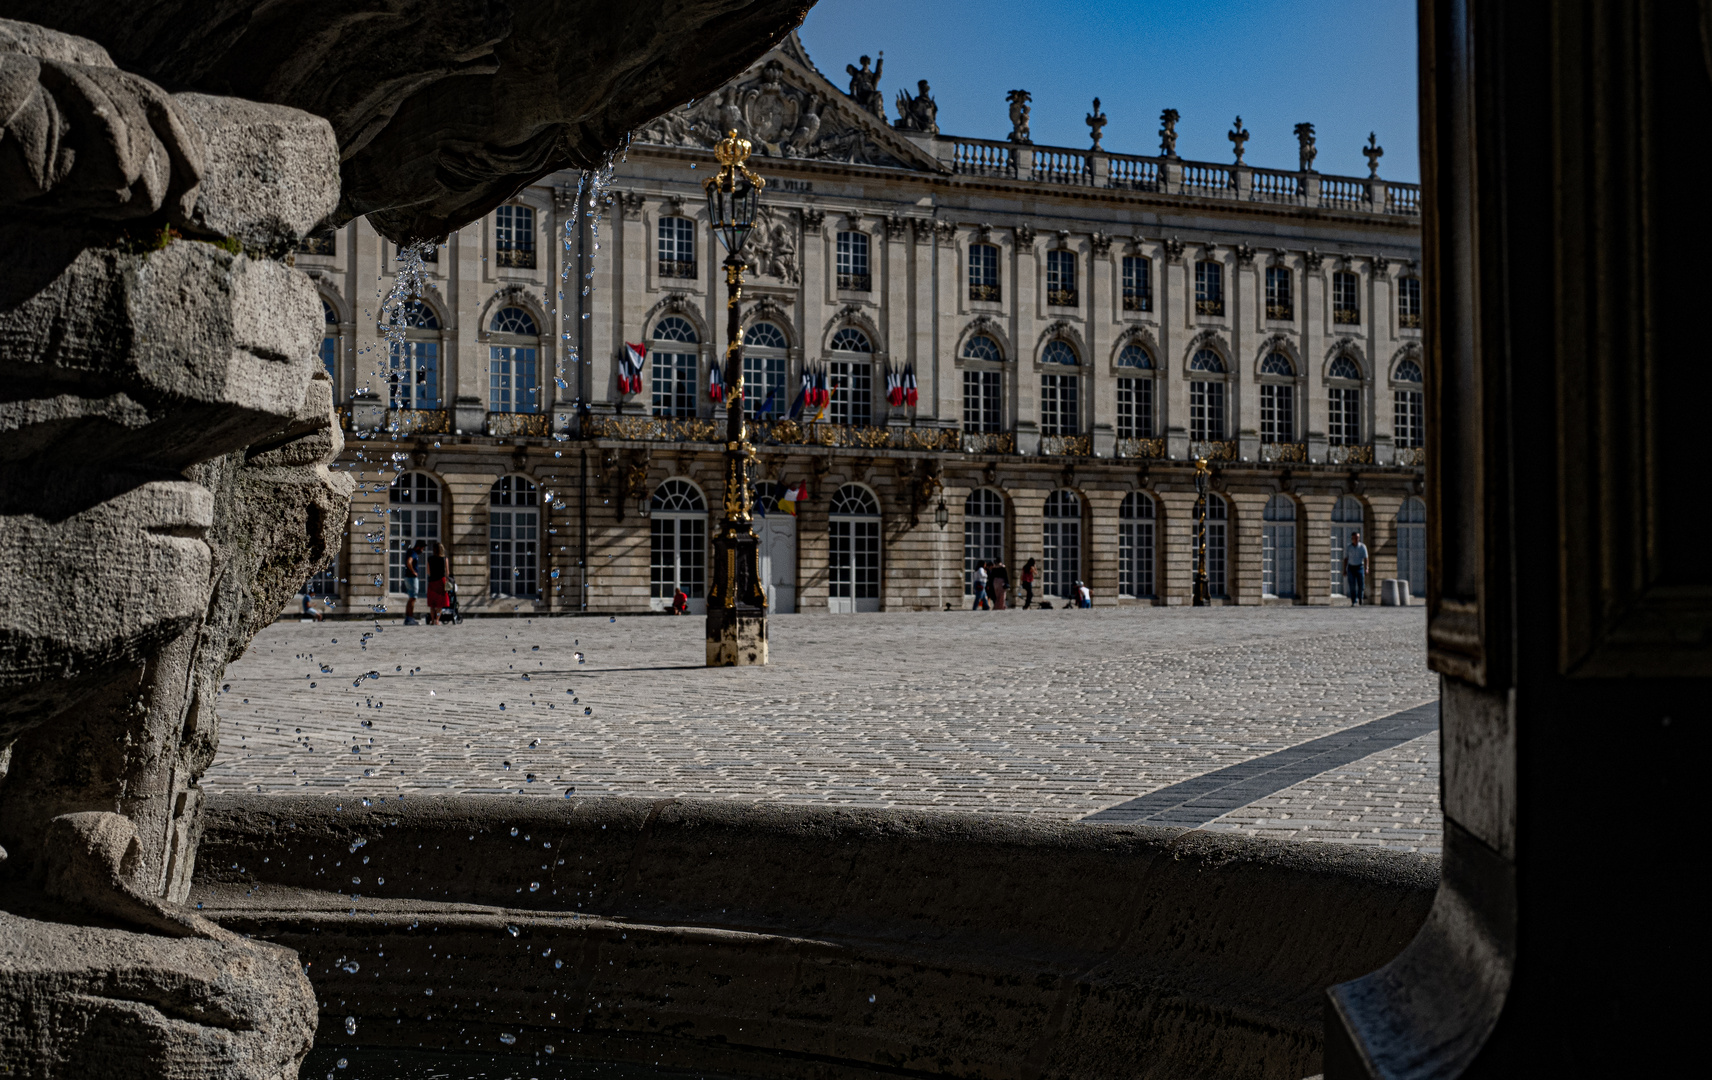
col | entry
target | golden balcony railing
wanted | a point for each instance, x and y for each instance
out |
(1061, 297)
(677, 268)
(1209, 307)
(1412, 456)
(1356, 454)
(1137, 301)
(1347, 316)
(856, 282)
(655, 429)
(522, 258)
(1066, 445)
(1141, 448)
(1281, 312)
(984, 292)
(989, 442)
(1284, 452)
(1409, 320)
(517, 425)
(1213, 450)
(786, 432)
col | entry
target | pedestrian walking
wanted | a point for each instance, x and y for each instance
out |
(1027, 584)
(1084, 598)
(436, 584)
(1355, 569)
(998, 583)
(413, 572)
(981, 588)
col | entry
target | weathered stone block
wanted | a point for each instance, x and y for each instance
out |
(268, 170)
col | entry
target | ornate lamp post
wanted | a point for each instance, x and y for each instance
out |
(1202, 476)
(736, 602)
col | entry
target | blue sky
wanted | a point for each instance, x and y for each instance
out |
(1349, 67)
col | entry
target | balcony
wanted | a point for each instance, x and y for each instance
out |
(1067, 445)
(1347, 316)
(325, 243)
(1414, 457)
(1284, 452)
(367, 415)
(1141, 448)
(989, 442)
(1409, 320)
(856, 282)
(988, 293)
(1061, 297)
(1213, 450)
(1353, 454)
(1215, 308)
(1281, 312)
(678, 268)
(1137, 301)
(518, 258)
(517, 425)
(780, 432)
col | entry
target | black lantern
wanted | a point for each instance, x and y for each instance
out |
(941, 514)
(733, 193)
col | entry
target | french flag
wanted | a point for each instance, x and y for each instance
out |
(716, 383)
(910, 394)
(894, 387)
(630, 368)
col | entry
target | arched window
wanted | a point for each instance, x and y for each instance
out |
(983, 385)
(677, 248)
(414, 378)
(1409, 303)
(765, 358)
(1135, 546)
(1408, 419)
(1278, 547)
(413, 514)
(1412, 545)
(514, 538)
(1061, 545)
(1206, 396)
(984, 272)
(851, 373)
(677, 559)
(852, 257)
(330, 345)
(1061, 278)
(1218, 549)
(513, 372)
(853, 573)
(1343, 400)
(1277, 399)
(1060, 393)
(674, 368)
(1135, 393)
(514, 237)
(1347, 519)
(983, 533)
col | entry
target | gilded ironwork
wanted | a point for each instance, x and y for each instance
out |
(677, 268)
(984, 292)
(418, 422)
(1203, 480)
(1359, 454)
(1061, 297)
(1347, 316)
(989, 442)
(1213, 451)
(520, 258)
(1414, 456)
(1209, 307)
(506, 425)
(1141, 448)
(1067, 445)
(1284, 451)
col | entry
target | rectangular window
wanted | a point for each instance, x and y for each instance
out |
(1137, 283)
(1209, 288)
(1061, 278)
(1058, 405)
(764, 387)
(1409, 303)
(330, 359)
(983, 272)
(514, 236)
(1135, 557)
(1206, 411)
(414, 381)
(677, 248)
(853, 262)
(1343, 424)
(852, 384)
(1346, 297)
(983, 401)
(674, 383)
(983, 541)
(1135, 408)
(511, 379)
(1217, 585)
(1408, 422)
(1280, 296)
(513, 561)
(1277, 413)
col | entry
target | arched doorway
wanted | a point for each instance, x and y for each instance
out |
(414, 514)
(1278, 547)
(1218, 546)
(983, 533)
(1412, 545)
(1061, 545)
(777, 531)
(514, 538)
(677, 558)
(1135, 546)
(853, 570)
(1347, 519)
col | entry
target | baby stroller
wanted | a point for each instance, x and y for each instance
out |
(452, 600)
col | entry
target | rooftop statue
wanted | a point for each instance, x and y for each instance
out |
(865, 85)
(920, 113)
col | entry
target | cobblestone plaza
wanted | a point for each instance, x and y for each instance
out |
(1289, 722)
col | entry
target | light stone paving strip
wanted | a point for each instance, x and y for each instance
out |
(1057, 713)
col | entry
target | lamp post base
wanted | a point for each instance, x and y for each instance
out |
(736, 640)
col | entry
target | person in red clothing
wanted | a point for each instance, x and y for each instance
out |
(1027, 584)
(436, 584)
(680, 602)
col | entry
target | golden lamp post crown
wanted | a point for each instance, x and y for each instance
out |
(732, 153)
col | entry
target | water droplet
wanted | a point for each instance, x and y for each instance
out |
(350, 1025)
(507, 1038)
(512, 930)
(612, 618)
(870, 999)
(343, 1063)
(570, 791)
(429, 991)
(588, 712)
(351, 967)
(514, 831)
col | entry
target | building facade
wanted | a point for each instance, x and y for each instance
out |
(1041, 339)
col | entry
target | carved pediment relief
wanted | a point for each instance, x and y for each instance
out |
(787, 109)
